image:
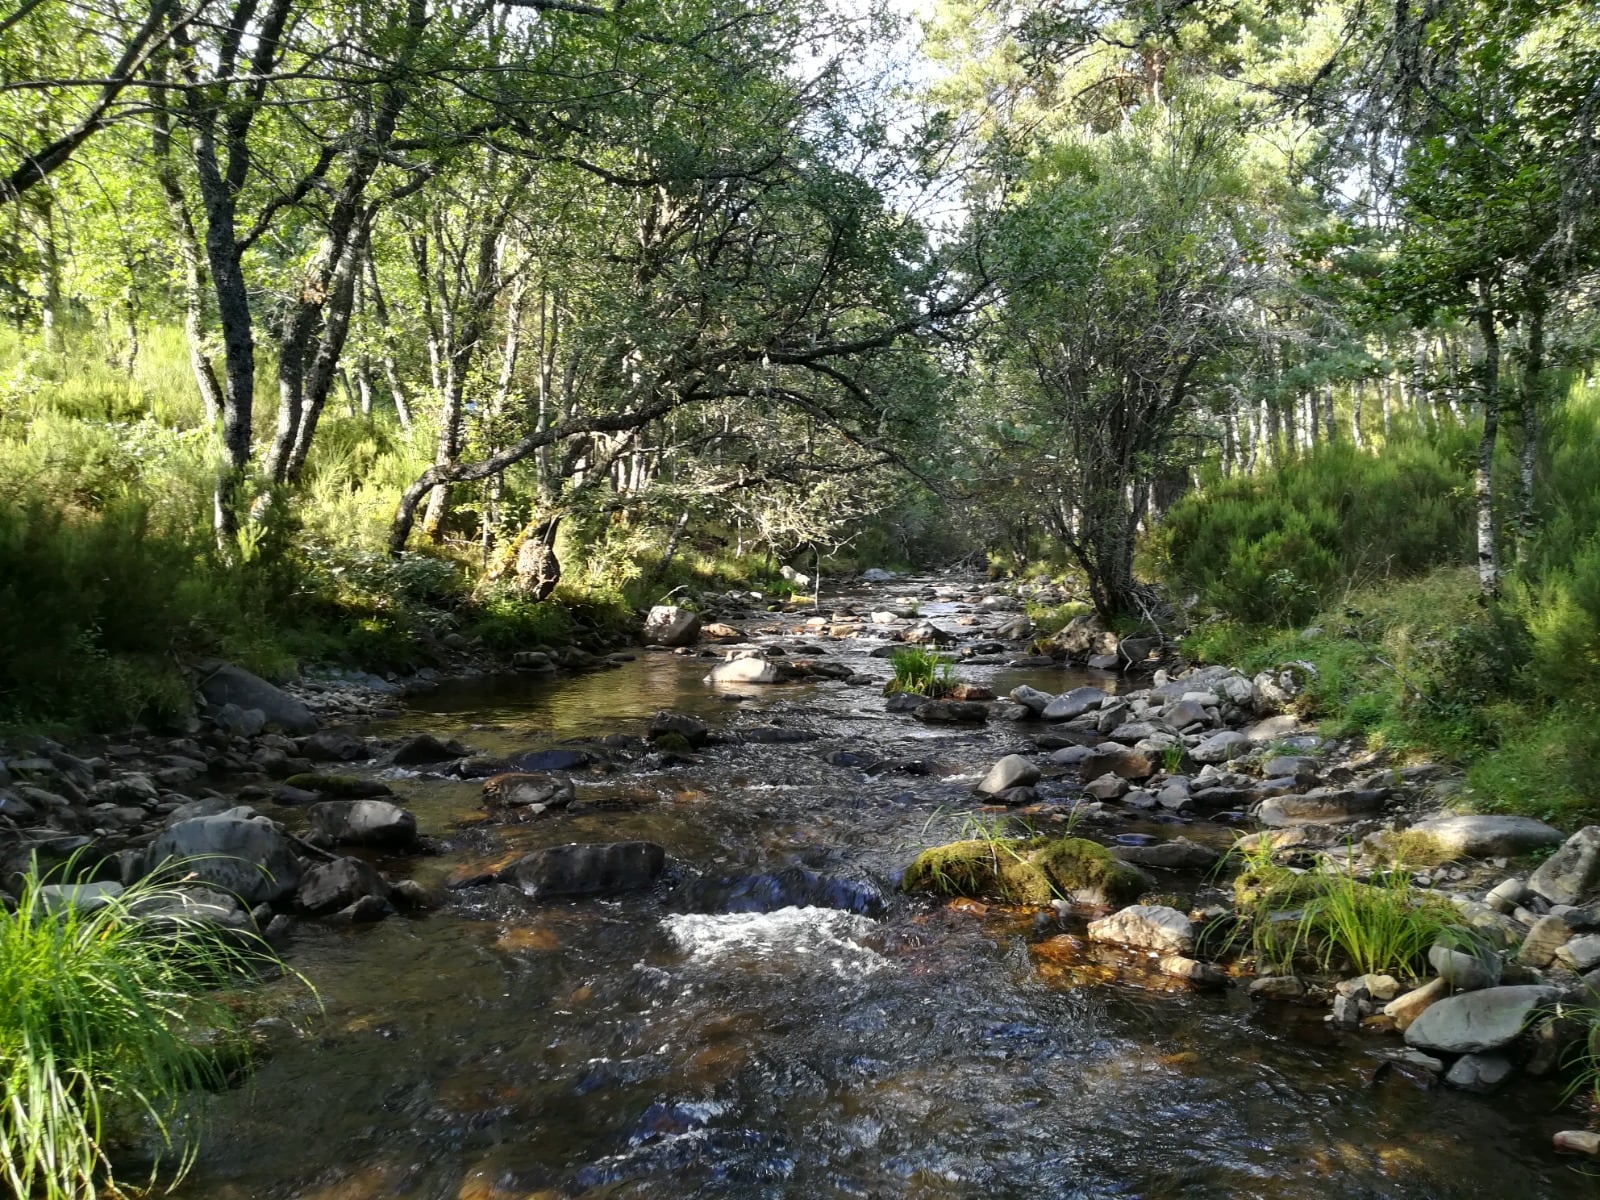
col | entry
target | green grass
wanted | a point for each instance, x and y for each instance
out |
(106, 1032)
(1338, 923)
(921, 671)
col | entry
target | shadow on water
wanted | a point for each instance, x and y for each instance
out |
(498, 1050)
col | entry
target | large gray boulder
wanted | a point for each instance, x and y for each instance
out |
(1071, 705)
(1146, 927)
(364, 823)
(1478, 1021)
(1011, 771)
(223, 684)
(236, 851)
(1572, 872)
(669, 625)
(592, 869)
(1481, 835)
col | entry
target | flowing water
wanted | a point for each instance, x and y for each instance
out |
(661, 1046)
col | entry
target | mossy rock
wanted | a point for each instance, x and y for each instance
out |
(1025, 871)
(1275, 888)
(672, 743)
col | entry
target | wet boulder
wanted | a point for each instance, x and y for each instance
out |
(561, 758)
(669, 625)
(535, 790)
(692, 730)
(791, 887)
(1146, 927)
(333, 886)
(236, 851)
(222, 684)
(344, 787)
(745, 671)
(1012, 771)
(952, 712)
(1032, 699)
(424, 748)
(592, 869)
(364, 823)
(1180, 854)
(329, 746)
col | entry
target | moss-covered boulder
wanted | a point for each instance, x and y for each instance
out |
(1025, 871)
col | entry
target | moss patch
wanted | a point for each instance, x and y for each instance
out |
(1024, 871)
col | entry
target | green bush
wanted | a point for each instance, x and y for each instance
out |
(1274, 548)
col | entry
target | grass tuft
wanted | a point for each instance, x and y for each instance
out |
(106, 1030)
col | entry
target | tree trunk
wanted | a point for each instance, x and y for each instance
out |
(1488, 555)
(1532, 401)
(1358, 399)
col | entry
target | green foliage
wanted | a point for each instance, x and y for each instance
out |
(1274, 548)
(106, 1027)
(1340, 923)
(507, 622)
(921, 671)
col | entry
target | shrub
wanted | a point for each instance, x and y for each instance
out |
(104, 1027)
(1273, 548)
(921, 671)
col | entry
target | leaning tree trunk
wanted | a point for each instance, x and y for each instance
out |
(1488, 552)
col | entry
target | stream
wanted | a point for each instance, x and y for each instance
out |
(660, 1045)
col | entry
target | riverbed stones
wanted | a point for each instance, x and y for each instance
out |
(587, 869)
(745, 671)
(1480, 1073)
(1474, 1022)
(952, 712)
(1507, 895)
(1475, 835)
(222, 684)
(1117, 760)
(1221, 747)
(1572, 872)
(236, 851)
(528, 790)
(1581, 953)
(1578, 1141)
(424, 748)
(1012, 771)
(670, 625)
(1180, 854)
(1320, 805)
(364, 823)
(1146, 927)
(1549, 934)
(1405, 1008)
(1462, 971)
(1198, 973)
(1276, 987)
(79, 897)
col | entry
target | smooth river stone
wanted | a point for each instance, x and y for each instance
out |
(1478, 1021)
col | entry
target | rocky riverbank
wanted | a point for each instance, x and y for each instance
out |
(1122, 813)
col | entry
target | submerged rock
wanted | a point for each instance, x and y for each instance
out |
(364, 823)
(1024, 871)
(587, 869)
